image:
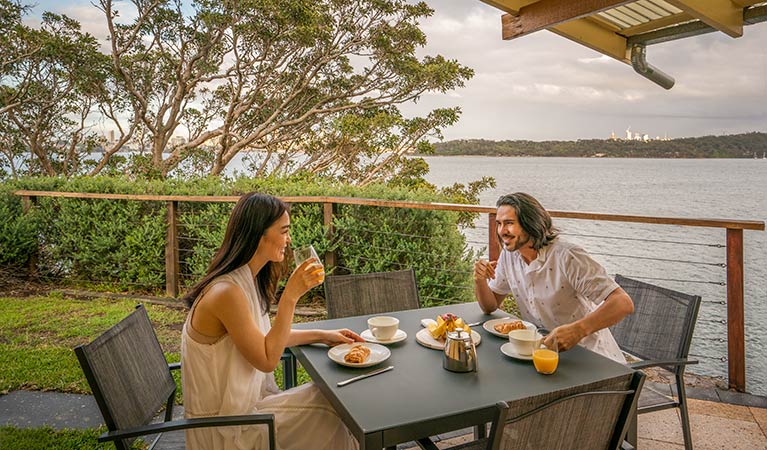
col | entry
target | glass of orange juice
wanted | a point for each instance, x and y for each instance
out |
(546, 357)
(303, 253)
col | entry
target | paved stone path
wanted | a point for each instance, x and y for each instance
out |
(720, 420)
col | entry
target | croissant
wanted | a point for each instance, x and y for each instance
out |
(358, 354)
(506, 327)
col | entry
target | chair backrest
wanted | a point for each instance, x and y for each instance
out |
(593, 416)
(662, 324)
(371, 293)
(128, 374)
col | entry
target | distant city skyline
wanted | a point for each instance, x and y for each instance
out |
(545, 87)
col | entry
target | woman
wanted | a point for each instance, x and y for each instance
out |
(229, 349)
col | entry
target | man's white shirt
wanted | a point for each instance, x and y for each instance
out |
(562, 285)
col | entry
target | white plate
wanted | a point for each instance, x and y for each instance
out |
(424, 338)
(491, 323)
(378, 354)
(508, 350)
(400, 335)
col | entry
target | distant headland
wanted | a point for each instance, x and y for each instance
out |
(746, 145)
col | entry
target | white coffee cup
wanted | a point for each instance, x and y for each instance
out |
(383, 328)
(524, 341)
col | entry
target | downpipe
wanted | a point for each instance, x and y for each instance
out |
(647, 70)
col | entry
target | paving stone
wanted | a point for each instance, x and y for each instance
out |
(712, 432)
(741, 398)
(661, 425)
(652, 444)
(719, 409)
(702, 394)
(760, 415)
(34, 409)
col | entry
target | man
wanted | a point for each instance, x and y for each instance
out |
(557, 285)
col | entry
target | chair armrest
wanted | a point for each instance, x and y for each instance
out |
(426, 444)
(174, 366)
(183, 424)
(661, 362)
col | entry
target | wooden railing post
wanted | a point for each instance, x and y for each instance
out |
(327, 221)
(27, 202)
(171, 251)
(736, 352)
(493, 246)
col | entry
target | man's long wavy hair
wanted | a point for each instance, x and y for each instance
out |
(532, 217)
(252, 215)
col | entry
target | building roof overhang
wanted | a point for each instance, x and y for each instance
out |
(623, 29)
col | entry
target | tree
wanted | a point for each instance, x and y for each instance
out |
(280, 77)
(53, 82)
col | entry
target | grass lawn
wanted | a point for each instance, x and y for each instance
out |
(37, 335)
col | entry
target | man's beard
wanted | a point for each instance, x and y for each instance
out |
(517, 243)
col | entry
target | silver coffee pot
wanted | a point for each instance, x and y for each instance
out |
(460, 352)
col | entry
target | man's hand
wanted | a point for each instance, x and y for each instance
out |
(567, 336)
(484, 270)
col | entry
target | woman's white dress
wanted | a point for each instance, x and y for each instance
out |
(218, 381)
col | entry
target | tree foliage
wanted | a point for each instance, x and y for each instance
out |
(302, 86)
(54, 85)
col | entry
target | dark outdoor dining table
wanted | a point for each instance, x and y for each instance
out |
(419, 398)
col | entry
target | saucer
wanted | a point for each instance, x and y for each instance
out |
(400, 335)
(378, 354)
(508, 350)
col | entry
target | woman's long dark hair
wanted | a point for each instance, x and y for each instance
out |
(252, 215)
(532, 217)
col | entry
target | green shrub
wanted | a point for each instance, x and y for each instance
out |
(120, 244)
(18, 232)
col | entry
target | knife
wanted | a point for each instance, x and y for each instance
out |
(365, 375)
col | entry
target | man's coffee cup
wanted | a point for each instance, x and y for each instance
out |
(524, 341)
(383, 328)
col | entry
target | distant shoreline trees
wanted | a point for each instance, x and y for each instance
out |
(746, 145)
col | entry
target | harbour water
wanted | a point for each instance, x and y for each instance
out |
(688, 259)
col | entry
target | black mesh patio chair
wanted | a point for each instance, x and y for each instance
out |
(371, 293)
(593, 416)
(659, 334)
(131, 381)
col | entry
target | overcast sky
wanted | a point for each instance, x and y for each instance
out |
(543, 86)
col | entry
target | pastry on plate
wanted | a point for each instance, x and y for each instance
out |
(358, 354)
(506, 327)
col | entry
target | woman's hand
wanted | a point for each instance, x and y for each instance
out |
(307, 275)
(336, 337)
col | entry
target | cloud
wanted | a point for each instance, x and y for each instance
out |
(543, 86)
